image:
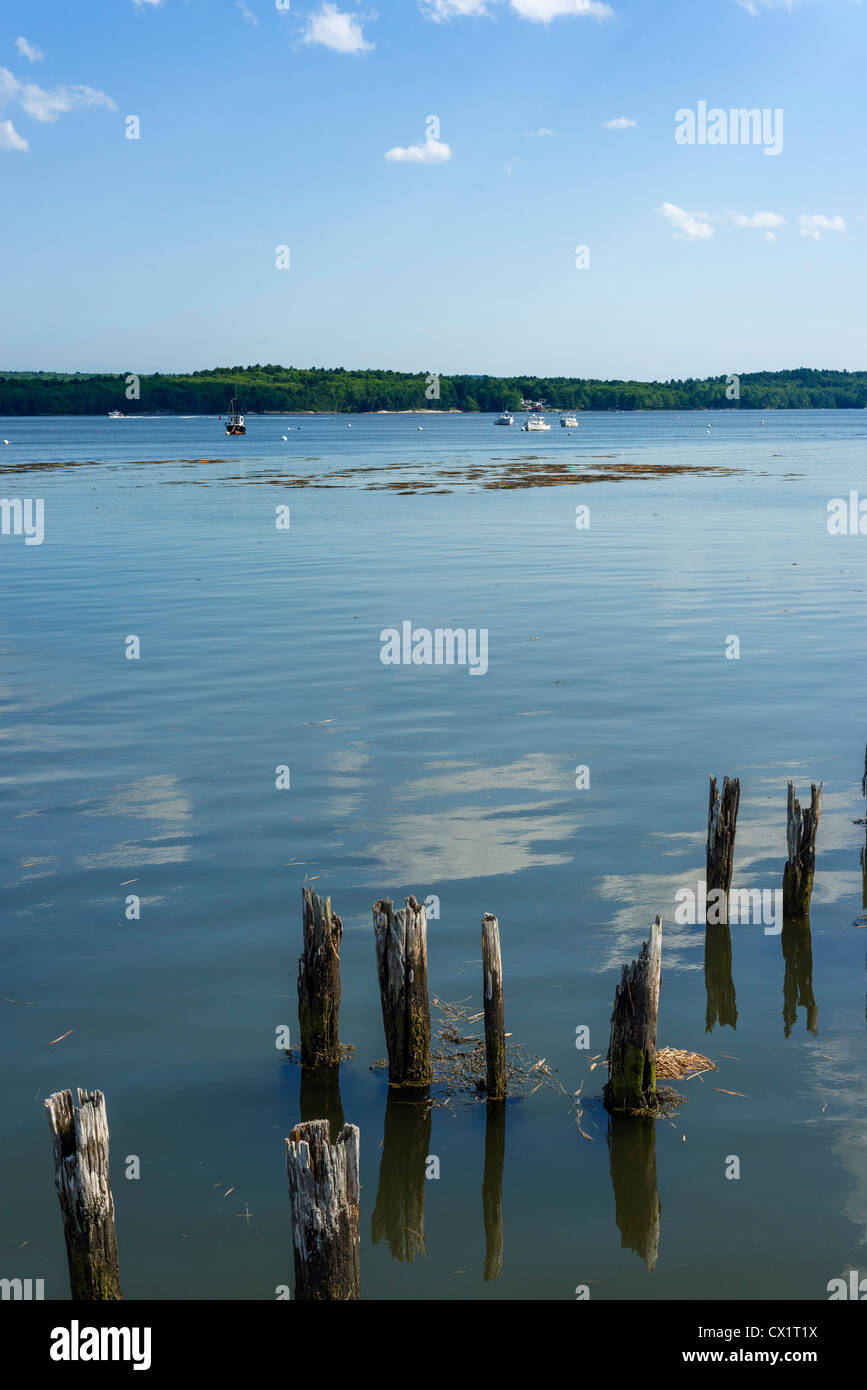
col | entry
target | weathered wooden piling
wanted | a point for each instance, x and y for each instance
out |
(401, 956)
(801, 827)
(324, 1189)
(495, 1017)
(319, 982)
(632, 1050)
(722, 820)
(81, 1175)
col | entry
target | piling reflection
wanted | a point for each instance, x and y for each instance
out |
(632, 1154)
(398, 1216)
(492, 1188)
(718, 980)
(798, 978)
(320, 1096)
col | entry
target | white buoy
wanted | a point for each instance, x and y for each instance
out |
(5, 441)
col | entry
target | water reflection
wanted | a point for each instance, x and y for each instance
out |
(632, 1152)
(398, 1216)
(798, 980)
(320, 1096)
(492, 1189)
(718, 980)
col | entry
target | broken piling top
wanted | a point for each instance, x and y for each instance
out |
(319, 988)
(495, 1019)
(324, 1190)
(801, 827)
(722, 819)
(323, 929)
(401, 958)
(632, 1050)
(81, 1175)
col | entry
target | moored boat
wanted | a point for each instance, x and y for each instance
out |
(535, 422)
(234, 420)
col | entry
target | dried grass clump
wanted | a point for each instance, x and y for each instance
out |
(458, 1059)
(673, 1064)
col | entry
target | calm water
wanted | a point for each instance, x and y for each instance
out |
(260, 647)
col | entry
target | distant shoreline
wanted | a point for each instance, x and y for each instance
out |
(726, 409)
(276, 390)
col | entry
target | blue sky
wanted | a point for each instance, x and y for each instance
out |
(262, 127)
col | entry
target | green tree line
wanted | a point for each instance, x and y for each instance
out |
(336, 389)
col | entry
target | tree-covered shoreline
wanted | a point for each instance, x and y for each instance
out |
(322, 390)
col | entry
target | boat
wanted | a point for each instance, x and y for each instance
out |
(505, 419)
(234, 421)
(116, 415)
(535, 422)
(569, 422)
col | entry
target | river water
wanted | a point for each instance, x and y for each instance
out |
(702, 620)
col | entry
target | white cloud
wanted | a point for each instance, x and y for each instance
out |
(139, 3)
(771, 236)
(752, 7)
(688, 226)
(815, 223)
(538, 11)
(9, 86)
(247, 14)
(439, 10)
(430, 152)
(543, 11)
(10, 139)
(533, 134)
(29, 51)
(619, 123)
(760, 220)
(337, 30)
(47, 106)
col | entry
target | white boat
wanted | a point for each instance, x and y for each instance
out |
(535, 422)
(505, 419)
(115, 415)
(569, 422)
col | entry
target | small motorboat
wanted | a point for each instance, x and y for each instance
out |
(505, 419)
(534, 423)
